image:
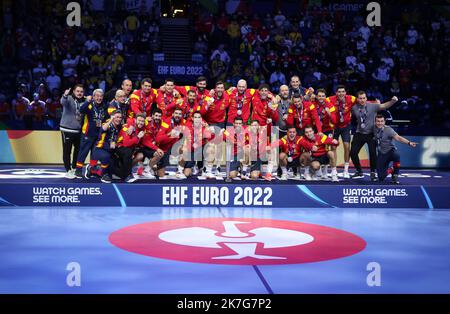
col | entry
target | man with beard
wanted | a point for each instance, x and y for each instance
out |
(284, 102)
(236, 137)
(129, 148)
(70, 127)
(94, 115)
(126, 86)
(214, 109)
(105, 146)
(189, 105)
(171, 132)
(365, 114)
(167, 98)
(321, 156)
(200, 90)
(150, 149)
(142, 100)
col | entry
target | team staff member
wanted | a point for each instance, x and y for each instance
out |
(126, 86)
(70, 127)
(119, 103)
(365, 115)
(387, 152)
(94, 115)
(141, 101)
(105, 146)
(343, 104)
(321, 156)
(284, 102)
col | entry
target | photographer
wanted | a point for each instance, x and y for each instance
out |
(70, 127)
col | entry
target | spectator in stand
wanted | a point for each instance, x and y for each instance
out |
(53, 80)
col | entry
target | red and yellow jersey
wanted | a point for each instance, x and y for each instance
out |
(198, 136)
(183, 90)
(214, 110)
(240, 103)
(262, 110)
(321, 143)
(303, 116)
(292, 148)
(151, 131)
(163, 140)
(166, 102)
(141, 103)
(237, 139)
(188, 108)
(328, 122)
(343, 109)
(131, 141)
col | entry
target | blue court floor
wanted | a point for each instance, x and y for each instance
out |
(411, 247)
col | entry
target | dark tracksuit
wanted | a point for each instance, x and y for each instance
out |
(94, 116)
(102, 150)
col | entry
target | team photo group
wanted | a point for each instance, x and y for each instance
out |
(239, 133)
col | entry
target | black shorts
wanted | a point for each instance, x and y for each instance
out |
(148, 152)
(344, 133)
(165, 161)
(295, 163)
(323, 160)
(330, 134)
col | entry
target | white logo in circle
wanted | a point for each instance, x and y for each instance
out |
(243, 244)
(31, 173)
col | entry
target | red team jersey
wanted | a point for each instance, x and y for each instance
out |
(303, 117)
(328, 123)
(141, 103)
(163, 140)
(240, 102)
(188, 108)
(321, 142)
(293, 148)
(183, 90)
(216, 111)
(262, 111)
(343, 110)
(166, 102)
(131, 141)
(151, 132)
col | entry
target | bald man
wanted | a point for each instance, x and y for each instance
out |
(284, 102)
(126, 86)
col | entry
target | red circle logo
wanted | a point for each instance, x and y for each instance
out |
(237, 241)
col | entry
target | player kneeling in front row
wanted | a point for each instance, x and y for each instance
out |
(105, 146)
(291, 147)
(321, 156)
(129, 148)
(386, 150)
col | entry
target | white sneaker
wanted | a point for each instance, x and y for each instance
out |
(148, 175)
(284, 177)
(210, 175)
(180, 176)
(70, 174)
(218, 170)
(315, 177)
(324, 176)
(195, 171)
(334, 178)
(346, 175)
(308, 177)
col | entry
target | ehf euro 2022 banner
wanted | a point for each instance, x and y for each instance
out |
(44, 147)
(224, 195)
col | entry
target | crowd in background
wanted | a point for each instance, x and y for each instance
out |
(406, 56)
